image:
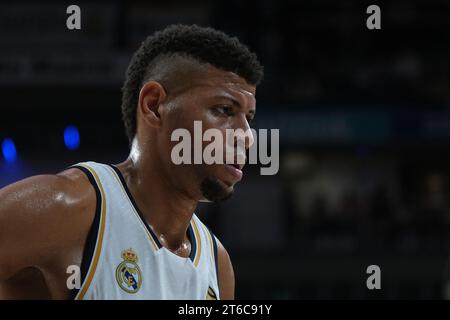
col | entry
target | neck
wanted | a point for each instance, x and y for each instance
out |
(165, 209)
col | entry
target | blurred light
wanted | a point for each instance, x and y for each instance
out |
(297, 162)
(9, 150)
(71, 137)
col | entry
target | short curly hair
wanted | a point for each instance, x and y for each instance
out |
(203, 44)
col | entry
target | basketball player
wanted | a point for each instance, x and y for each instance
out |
(131, 227)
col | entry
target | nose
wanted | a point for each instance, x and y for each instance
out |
(239, 138)
(243, 133)
(243, 136)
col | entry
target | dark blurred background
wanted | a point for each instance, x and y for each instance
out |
(364, 119)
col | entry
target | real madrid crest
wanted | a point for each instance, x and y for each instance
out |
(128, 274)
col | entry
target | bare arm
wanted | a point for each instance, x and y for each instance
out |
(226, 273)
(39, 219)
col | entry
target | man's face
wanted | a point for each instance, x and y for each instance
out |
(220, 100)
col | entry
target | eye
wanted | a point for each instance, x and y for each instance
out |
(224, 110)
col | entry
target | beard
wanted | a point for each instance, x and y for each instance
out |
(214, 191)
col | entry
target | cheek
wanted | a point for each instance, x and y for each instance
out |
(182, 115)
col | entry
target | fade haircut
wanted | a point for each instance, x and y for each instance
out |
(203, 44)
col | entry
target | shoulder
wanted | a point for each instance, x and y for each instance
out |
(45, 214)
(226, 273)
(48, 195)
(224, 265)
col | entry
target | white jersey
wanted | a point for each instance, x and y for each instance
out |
(123, 258)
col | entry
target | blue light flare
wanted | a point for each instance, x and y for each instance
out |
(9, 150)
(71, 137)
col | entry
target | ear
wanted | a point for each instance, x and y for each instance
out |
(151, 96)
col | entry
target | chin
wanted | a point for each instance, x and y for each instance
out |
(214, 190)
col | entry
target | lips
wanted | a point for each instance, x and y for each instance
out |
(234, 167)
(235, 170)
(237, 166)
(238, 161)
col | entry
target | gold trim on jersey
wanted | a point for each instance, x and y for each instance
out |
(198, 243)
(99, 243)
(211, 245)
(149, 235)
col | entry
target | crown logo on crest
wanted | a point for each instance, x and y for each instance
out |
(130, 255)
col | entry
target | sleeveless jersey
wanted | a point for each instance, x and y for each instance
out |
(123, 259)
